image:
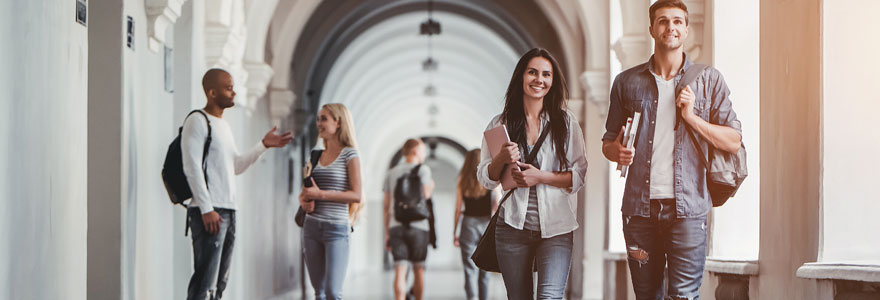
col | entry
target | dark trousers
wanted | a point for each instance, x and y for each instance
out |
(212, 254)
(664, 244)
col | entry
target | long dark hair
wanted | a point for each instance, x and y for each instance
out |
(514, 115)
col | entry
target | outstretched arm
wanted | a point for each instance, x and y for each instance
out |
(271, 140)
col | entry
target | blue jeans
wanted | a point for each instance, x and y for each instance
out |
(664, 244)
(520, 250)
(472, 229)
(212, 254)
(326, 250)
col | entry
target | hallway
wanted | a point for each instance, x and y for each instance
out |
(93, 92)
(441, 284)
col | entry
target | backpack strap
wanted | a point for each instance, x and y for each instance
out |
(204, 161)
(207, 143)
(415, 170)
(690, 75)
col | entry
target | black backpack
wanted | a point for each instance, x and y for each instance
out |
(172, 172)
(409, 198)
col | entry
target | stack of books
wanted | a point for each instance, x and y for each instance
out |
(629, 138)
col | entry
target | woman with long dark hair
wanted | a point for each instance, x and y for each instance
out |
(477, 205)
(534, 227)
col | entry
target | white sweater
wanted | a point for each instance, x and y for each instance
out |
(223, 163)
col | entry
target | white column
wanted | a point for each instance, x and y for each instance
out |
(735, 230)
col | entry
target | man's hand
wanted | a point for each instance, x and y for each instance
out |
(387, 245)
(212, 222)
(307, 205)
(272, 140)
(527, 177)
(455, 241)
(685, 101)
(623, 154)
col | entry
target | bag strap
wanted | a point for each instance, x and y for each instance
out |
(316, 156)
(207, 143)
(689, 76)
(703, 158)
(415, 170)
(531, 157)
(204, 161)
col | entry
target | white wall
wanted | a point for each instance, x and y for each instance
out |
(849, 139)
(43, 93)
(735, 232)
(156, 259)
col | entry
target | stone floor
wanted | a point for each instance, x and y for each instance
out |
(446, 284)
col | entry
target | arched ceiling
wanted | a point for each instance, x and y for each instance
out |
(379, 77)
(368, 55)
(335, 24)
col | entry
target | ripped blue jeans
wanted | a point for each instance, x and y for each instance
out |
(664, 244)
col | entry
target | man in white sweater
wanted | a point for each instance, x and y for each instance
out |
(212, 210)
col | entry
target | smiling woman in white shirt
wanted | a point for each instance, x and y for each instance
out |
(535, 225)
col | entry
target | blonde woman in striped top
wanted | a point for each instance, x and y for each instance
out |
(332, 202)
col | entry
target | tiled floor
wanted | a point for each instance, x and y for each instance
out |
(439, 285)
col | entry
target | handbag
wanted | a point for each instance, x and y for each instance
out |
(725, 172)
(300, 217)
(484, 255)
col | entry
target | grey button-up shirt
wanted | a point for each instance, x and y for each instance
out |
(636, 90)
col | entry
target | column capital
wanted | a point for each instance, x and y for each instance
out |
(597, 87)
(161, 14)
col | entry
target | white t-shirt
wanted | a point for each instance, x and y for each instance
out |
(223, 162)
(662, 170)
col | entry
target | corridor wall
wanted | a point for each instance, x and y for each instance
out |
(849, 102)
(44, 59)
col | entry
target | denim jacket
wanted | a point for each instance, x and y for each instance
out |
(636, 90)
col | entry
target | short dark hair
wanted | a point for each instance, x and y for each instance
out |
(652, 12)
(209, 81)
(410, 146)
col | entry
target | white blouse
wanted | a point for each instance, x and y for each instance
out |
(557, 207)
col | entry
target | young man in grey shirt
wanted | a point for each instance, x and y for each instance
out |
(408, 242)
(666, 201)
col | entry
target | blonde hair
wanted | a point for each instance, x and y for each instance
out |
(345, 133)
(346, 136)
(467, 177)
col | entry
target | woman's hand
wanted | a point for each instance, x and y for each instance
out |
(509, 154)
(307, 205)
(527, 175)
(312, 192)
